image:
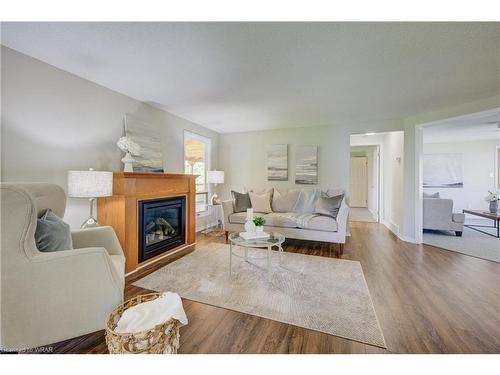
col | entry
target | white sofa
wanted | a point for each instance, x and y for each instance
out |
(319, 228)
(438, 215)
(48, 297)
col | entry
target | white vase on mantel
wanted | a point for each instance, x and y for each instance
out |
(259, 229)
(128, 161)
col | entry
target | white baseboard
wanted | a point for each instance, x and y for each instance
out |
(395, 229)
(391, 226)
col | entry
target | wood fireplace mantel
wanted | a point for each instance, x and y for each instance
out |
(120, 210)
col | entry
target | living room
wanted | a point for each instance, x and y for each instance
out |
(200, 176)
(460, 169)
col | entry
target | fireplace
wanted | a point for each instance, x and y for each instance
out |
(162, 225)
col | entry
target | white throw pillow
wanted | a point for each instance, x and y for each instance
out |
(285, 200)
(258, 190)
(261, 202)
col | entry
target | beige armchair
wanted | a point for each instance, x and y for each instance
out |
(53, 296)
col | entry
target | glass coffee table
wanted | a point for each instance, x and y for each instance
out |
(275, 240)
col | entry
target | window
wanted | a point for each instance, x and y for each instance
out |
(197, 162)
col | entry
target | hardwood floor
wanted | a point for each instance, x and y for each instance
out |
(427, 300)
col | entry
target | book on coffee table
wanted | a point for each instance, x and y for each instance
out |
(254, 236)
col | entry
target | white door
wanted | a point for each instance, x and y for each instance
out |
(358, 184)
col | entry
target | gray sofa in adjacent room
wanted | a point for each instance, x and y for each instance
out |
(438, 215)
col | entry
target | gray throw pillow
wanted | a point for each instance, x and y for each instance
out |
(241, 201)
(434, 195)
(52, 233)
(328, 206)
(306, 202)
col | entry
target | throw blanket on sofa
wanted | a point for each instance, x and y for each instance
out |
(302, 220)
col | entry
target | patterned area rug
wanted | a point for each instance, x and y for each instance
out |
(323, 294)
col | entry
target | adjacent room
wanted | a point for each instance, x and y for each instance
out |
(460, 181)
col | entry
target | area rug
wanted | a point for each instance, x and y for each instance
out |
(471, 243)
(318, 293)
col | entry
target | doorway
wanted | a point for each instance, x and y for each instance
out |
(364, 183)
(456, 161)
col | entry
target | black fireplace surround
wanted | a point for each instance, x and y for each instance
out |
(162, 225)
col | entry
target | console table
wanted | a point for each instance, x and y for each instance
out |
(488, 215)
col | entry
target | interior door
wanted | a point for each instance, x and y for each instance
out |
(358, 182)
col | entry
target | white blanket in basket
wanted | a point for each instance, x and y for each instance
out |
(146, 315)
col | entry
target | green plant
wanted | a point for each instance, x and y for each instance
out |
(259, 221)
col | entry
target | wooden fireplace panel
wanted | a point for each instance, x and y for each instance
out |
(121, 210)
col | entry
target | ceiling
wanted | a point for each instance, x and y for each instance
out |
(232, 77)
(472, 128)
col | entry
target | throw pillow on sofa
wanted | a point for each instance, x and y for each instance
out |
(241, 201)
(261, 191)
(52, 233)
(328, 206)
(334, 192)
(261, 202)
(285, 200)
(307, 201)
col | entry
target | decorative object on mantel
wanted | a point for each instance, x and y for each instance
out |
(90, 184)
(148, 137)
(259, 224)
(215, 177)
(129, 147)
(493, 197)
(306, 165)
(249, 224)
(277, 162)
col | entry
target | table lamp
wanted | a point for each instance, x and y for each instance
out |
(90, 184)
(215, 177)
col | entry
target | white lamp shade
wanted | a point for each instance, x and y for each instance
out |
(215, 177)
(90, 184)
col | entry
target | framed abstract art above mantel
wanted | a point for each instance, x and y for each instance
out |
(147, 136)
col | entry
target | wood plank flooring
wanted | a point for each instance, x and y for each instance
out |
(427, 300)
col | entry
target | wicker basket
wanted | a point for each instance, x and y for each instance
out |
(163, 338)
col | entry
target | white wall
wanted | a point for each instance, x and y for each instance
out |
(243, 157)
(478, 162)
(54, 121)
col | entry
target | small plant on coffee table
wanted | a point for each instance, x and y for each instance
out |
(259, 221)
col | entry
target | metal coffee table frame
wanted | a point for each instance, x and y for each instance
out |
(488, 215)
(276, 240)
